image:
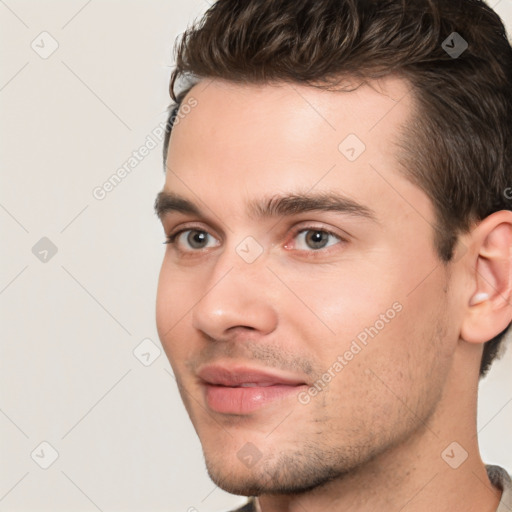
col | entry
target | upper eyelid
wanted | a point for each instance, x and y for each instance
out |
(174, 220)
(178, 231)
(339, 233)
(302, 225)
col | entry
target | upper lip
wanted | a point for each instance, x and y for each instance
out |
(238, 375)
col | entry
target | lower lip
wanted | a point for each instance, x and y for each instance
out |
(245, 400)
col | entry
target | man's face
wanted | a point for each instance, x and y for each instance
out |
(305, 340)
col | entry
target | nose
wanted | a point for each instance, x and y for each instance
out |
(237, 296)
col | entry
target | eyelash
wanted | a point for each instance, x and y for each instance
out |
(171, 239)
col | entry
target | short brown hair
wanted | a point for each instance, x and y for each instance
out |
(457, 149)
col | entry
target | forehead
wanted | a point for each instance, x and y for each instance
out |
(243, 141)
(356, 105)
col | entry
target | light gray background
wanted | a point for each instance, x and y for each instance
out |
(70, 324)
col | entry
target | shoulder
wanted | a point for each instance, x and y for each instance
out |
(501, 479)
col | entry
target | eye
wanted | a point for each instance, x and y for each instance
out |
(191, 239)
(314, 239)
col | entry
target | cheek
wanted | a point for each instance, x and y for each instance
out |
(173, 303)
(331, 307)
(383, 387)
(375, 321)
(403, 363)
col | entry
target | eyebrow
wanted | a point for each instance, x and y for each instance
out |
(293, 204)
(168, 202)
(274, 206)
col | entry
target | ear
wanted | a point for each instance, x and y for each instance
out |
(489, 301)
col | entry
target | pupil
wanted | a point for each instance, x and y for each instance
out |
(196, 238)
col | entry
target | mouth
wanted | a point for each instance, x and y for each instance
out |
(242, 390)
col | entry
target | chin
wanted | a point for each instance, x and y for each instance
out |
(286, 474)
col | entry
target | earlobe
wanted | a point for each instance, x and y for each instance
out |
(489, 307)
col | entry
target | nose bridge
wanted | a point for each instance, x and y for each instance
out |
(236, 293)
(244, 261)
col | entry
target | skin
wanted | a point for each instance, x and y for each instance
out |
(372, 439)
